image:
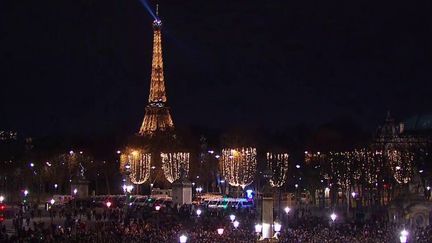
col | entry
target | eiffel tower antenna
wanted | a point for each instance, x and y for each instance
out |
(157, 114)
(157, 10)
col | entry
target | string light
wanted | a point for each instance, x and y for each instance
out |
(278, 164)
(367, 165)
(139, 162)
(239, 165)
(172, 163)
(401, 165)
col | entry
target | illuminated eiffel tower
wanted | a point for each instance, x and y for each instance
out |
(157, 117)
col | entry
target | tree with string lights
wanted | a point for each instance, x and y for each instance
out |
(277, 163)
(173, 163)
(139, 163)
(238, 165)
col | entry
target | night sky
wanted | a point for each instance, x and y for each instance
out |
(83, 67)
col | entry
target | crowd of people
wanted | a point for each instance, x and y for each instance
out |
(145, 224)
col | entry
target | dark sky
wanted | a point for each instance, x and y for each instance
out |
(84, 66)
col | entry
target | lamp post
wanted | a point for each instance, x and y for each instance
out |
(220, 231)
(198, 212)
(287, 211)
(258, 229)
(403, 236)
(199, 190)
(26, 193)
(52, 202)
(2, 198)
(157, 207)
(127, 188)
(232, 217)
(277, 228)
(75, 191)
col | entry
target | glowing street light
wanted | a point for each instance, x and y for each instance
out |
(26, 192)
(183, 239)
(258, 228)
(236, 224)
(75, 191)
(198, 212)
(353, 194)
(220, 231)
(403, 236)
(2, 198)
(52, 201)
(108, 204)
(287, 210)
(333, 217)
(232, 217)
(32, 165)
(277, 227)
(157, 207)
(127, 188)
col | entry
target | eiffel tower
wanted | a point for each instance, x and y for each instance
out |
(157, 118)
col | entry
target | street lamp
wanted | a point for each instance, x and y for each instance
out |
(198, 212)
(75, 191)
(333, 217)
(353, 194)
(183, 239)
(2, 198)
(236, 224)
(277, 228)
(220, 231)
(232, 217)
(157, 207)
(258, 228)
(52, 201)
(26, 192)
(287, 210)
(403, 236)
(108, 204)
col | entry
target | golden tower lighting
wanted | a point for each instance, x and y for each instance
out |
(157, 114)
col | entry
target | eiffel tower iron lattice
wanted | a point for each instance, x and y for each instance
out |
(157, 116)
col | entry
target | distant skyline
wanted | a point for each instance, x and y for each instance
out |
(83, 67)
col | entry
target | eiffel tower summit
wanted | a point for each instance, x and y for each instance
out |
(157, 116)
